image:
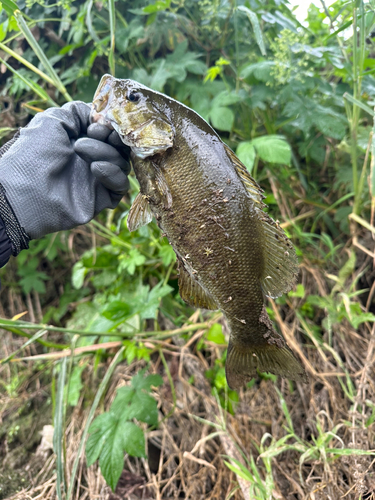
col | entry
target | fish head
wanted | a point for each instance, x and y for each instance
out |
(136, 113)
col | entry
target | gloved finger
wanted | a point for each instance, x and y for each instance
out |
(115, 140)
(92, 150)
(98, 131)
(111, 176)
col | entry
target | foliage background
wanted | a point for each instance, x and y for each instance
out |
(295, 101)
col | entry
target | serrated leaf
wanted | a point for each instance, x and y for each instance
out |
(99, 430)
(246, 153)
(273, 149)
(330, 125)
(141, 382)
(133, 440)
(112, 434)
(111, 459)
(222, 118)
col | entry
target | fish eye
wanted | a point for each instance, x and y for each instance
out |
(133, 97)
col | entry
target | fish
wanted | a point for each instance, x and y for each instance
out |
(230, 253)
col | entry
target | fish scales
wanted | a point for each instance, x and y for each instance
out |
(211, 211)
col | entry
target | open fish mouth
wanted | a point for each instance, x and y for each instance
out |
(146, 139)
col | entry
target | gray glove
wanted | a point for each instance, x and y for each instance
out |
(54, 180)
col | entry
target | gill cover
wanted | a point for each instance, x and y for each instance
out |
(130, 108)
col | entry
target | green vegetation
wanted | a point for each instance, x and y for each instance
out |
(92, 318)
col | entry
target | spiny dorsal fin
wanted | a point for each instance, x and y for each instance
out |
(192, 293)
(254, 190)
(140, 213)
(281, 263)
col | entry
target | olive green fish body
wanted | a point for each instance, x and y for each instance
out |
(229, 251)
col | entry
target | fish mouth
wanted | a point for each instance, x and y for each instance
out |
(151, 137)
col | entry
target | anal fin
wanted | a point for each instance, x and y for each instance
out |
(140, 213)
(192, 292)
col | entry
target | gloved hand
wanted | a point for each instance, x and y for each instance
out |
(54, 179)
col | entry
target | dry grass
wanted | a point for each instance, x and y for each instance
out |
(333, 411)
(185, 462)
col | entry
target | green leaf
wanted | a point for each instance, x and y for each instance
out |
(141, 382)
(243, 473)
(261, 70)
(78, 275)
(112, 434)
(133, 440)
(167, 254)
(34, 280)
(246, 153)
(226, 98)
(131, 261)
(253, 18)
(9, 6)
(111, 460)
(117, 311)
(330, 124)
(362, 318)
(99, 431)
(215, 334)
(158, 6)
(222, 118)
(150, 307)
(273, 149)
(75, 385)
(299, 293)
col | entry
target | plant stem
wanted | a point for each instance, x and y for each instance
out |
(41, 55)
(112, 26)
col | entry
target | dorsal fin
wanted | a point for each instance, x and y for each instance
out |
(254, 190)
(281, 263)
(140, 213)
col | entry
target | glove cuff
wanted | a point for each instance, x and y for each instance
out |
(5, 245)
(17, 235)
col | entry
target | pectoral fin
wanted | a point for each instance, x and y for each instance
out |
(192, 293)
(140, 213)
(163, 188)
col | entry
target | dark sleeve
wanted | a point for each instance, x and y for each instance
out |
(5, 245)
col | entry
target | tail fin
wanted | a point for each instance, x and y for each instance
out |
(243, 362)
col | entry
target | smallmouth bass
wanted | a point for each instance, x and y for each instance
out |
(230, 253)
